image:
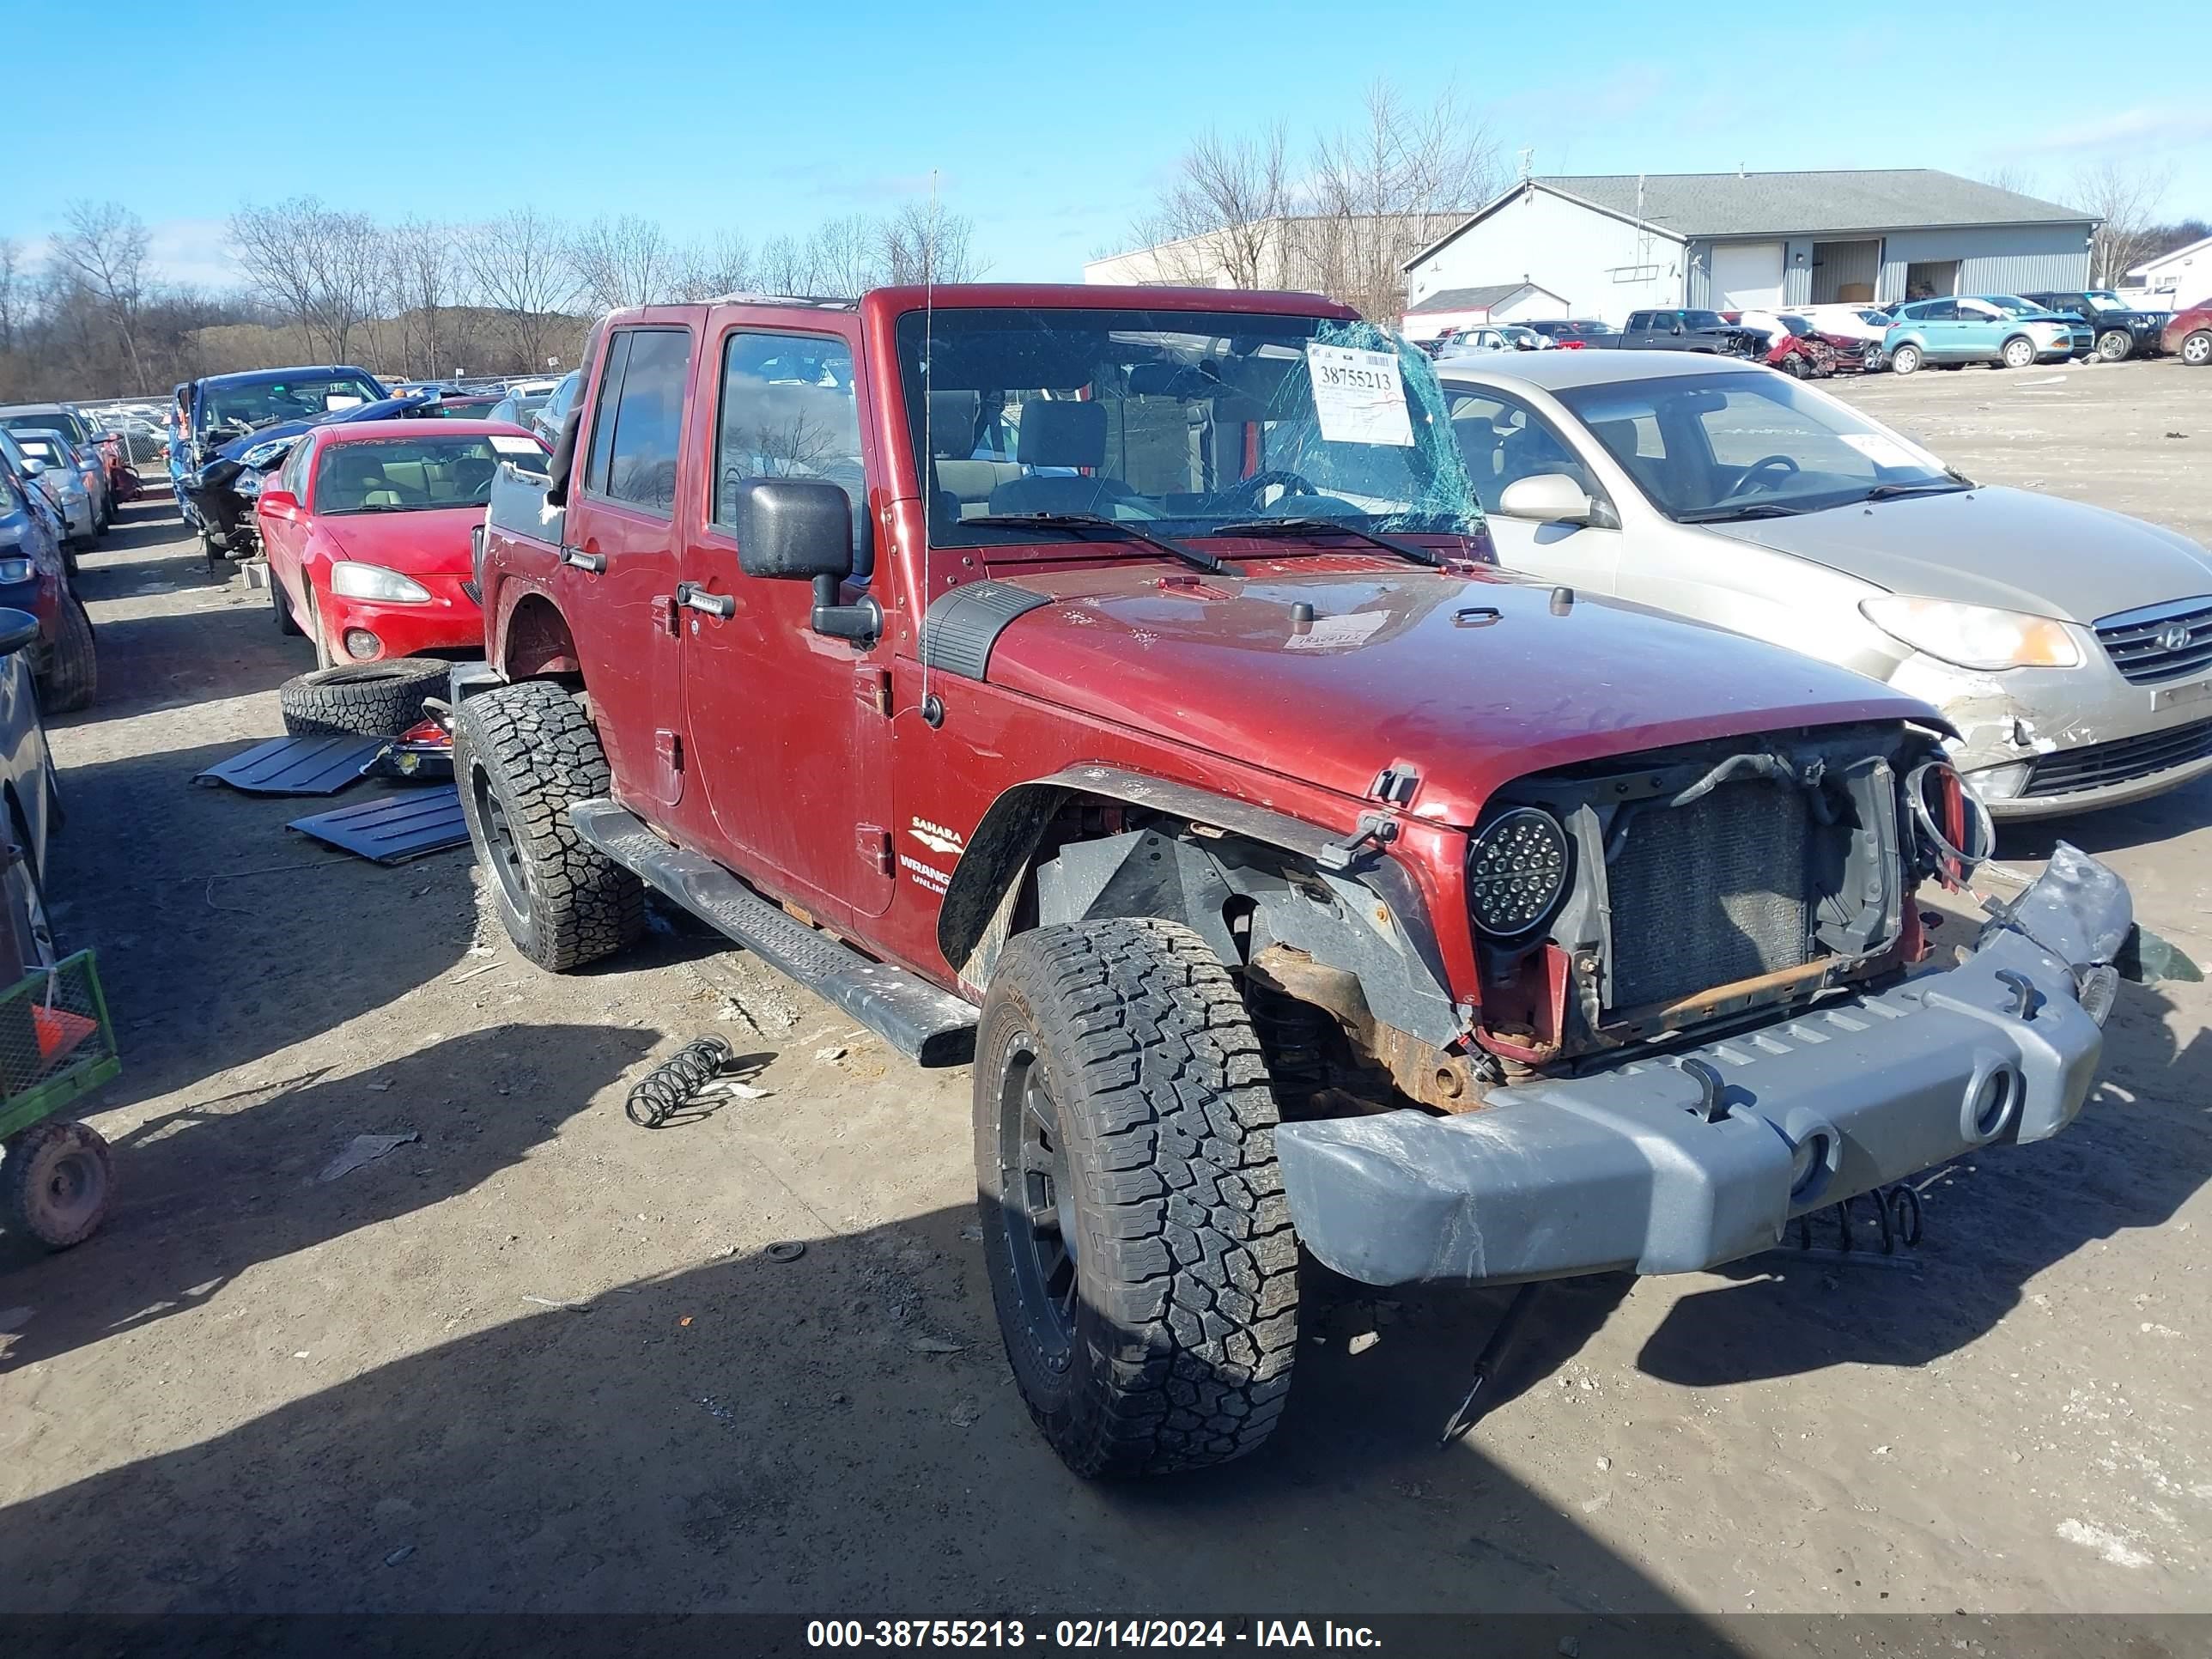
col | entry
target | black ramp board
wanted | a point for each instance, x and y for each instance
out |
(297, 766)
(392, 828)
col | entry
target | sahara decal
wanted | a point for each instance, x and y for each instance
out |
(937, 838)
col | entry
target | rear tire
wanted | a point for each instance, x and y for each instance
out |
(281, 602)
(56, 1180)
(1139, 1243)
(2018, 352)
(72, 673)
(2197, 349)
(523, 755)
(2114, 345)
(1906, 360)
(362, 699)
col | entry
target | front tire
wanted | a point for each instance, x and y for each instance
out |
(2114, 344)
(281, 602)
(56, 1180)
(1139, 1243)
(2018, 352)
(522, 755)
(1906, 360)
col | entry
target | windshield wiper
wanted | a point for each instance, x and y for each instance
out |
(1890, 492)
(1309, 529)
(1749, 510)
(1078, 523)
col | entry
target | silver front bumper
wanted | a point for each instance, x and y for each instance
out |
(1645, 1168)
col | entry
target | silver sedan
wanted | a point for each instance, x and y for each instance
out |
(2070, 647)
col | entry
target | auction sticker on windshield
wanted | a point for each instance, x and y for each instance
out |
(1359, 396)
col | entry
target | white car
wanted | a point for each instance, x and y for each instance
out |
(1852, 322)
(1494, 337)
(2069, 647)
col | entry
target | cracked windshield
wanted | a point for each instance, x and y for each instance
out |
(1177, 422)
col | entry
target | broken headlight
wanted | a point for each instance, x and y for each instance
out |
(1515, 871)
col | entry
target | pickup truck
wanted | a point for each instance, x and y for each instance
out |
(1687, 330)
(1113, 690)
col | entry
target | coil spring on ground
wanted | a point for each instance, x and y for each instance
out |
(661, 1093)
(1896, 1213)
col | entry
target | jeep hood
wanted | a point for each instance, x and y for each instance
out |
(1473, 680)
(2007, 548)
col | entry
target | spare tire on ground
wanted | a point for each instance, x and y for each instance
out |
(362, 699)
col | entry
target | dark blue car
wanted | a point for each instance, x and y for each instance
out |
(217, 410)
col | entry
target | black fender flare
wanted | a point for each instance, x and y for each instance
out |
(1003, 843)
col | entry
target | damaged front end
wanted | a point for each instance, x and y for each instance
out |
(1676, 1163)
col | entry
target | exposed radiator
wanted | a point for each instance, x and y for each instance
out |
(1710, 893)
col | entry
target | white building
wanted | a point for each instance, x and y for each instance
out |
(2173, 281)
(1616, 243)
(1471, 307)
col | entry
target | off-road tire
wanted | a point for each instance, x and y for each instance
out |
(362, 699)
(1906, 360)
(522, 755)
(2018, 352)
(72, 672)
(56, 1181)
(1172, 1345)
(2197, 349)
(2115, 345)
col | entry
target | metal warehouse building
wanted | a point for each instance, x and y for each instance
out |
(1615, 243)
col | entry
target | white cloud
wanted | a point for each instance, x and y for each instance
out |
(192, 250)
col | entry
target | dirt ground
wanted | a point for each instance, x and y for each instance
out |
(540, 1359)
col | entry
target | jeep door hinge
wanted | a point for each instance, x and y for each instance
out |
(1378, 828)
(876, 847)
(669, 746)
(872, 686)
(1396, 783)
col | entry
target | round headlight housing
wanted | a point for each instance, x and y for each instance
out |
(1516, 871)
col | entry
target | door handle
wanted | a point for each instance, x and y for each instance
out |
(696, 598)
(590, 564)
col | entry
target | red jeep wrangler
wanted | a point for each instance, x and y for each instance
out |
(1111, 688)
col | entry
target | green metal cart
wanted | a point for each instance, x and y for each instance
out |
(57, 1044)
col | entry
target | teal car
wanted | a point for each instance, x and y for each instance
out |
(1998, 329)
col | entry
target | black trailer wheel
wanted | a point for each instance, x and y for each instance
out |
(522, 755)
(56, 1179)
(72, 670)
(362, 699)
(2114, 344)
(1138, 1244)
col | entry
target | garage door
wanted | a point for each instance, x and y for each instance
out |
(1746, 274)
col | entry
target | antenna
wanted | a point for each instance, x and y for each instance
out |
(932, 710)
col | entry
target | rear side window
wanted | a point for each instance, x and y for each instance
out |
(633, 453)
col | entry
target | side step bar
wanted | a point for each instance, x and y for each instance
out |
(932, 1026)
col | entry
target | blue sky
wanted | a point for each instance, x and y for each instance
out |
(1050, 127)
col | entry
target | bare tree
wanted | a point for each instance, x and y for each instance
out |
(315, 266)
(921, 243)
(420, 273)
(1224, 217)
(1386, 188)
(104, 246)
(519, 265)
(15, 295)
(628, 261)
(2125, 197)
(787, 267)
(841, 256)
(719, 264)
(2019, 180)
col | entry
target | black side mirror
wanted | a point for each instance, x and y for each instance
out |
(17, 629)
(801, 529)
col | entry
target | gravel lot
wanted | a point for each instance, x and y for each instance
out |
(538, 1359)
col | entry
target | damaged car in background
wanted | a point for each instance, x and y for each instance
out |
(1113, 688)
(2068, 648)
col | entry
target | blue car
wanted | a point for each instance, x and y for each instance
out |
(218, 409)
(33, 579)
(1998, 329)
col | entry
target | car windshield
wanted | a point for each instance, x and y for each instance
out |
(403, 475)
(1748, 444)
(2103, 300)
(1703, 320)
(265, 403)
(1178, 421)
(59, 421)
(1794, 324)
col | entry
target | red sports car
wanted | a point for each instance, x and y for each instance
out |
(366, 531)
